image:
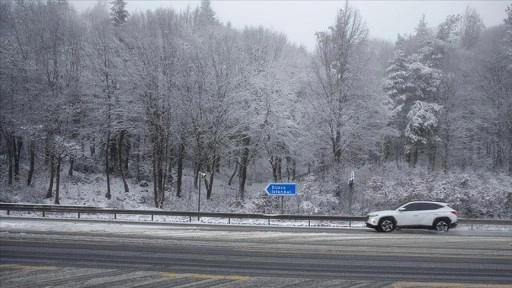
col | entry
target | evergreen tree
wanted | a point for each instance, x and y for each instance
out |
(206, 16)
(118, 12)
(508, 36)
(422, 31)
(413, 84)
(471, 28)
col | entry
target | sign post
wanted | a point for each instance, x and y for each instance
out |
(201, 176)
(281, 189)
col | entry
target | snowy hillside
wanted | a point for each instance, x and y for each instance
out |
(474, 195)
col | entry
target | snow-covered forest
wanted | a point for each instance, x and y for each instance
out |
(115, 100)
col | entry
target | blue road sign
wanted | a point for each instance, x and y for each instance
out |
(281, 189)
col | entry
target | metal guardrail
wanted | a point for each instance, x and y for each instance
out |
(79, 210)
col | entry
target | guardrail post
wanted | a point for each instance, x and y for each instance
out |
(190, 219)
(8, 213)
(43, 213)
(115, 216)
(309, 222)
(349, 223)
(151, 217)
(269, 221)
(229, 220)
(78, 215)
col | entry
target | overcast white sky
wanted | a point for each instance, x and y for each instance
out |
(299, 20)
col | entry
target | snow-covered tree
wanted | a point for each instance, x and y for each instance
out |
(412, 81)
(104, 68)
(334, 57)
(472, 26)
(118, 12)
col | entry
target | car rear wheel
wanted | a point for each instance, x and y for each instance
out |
(386, 225)
(441, 225)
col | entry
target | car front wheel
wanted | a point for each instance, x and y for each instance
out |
(386, 225)
(441, 225)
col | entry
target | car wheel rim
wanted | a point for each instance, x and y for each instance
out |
(386, 225)
(442, 226)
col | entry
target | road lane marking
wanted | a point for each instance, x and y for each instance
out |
(367, 253)
(446, 285)
(61, 241)
(28, 267)
(205, 276)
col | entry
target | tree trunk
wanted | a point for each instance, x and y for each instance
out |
(92, 148)
(107, 166)
(510, 162)
(337, 147)
(160, 184)
(57, 181)
(18, 145)
(446, 153)
(120, 156)
(350, 196)
(209, 185)
(217, 165)
(290, 168)
(233, 175)
(49, 194)
(273, 163)
(432, 151)
(158, 168)
(127, 149)
(71, 165)
(294, 169)
(279, 169)
(179, 169)
(32, 163)
(196, 174)
(242, 177)
(244, 162)
(415, 157)
(10, 159)
(155, 181)
(137, 159)
(288, 172)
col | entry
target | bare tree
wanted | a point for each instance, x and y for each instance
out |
(334, 75)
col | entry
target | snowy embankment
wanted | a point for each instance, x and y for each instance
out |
(480, 195)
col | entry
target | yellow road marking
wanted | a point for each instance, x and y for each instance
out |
(447, 285)
(28, 267)
(205, 276)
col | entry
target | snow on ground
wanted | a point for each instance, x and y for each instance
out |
(202, 232)
(376, 189)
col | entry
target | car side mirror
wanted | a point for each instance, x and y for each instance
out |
(401, 209)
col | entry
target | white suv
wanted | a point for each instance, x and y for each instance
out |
(419, 214)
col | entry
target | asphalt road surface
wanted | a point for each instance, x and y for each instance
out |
(71, 253)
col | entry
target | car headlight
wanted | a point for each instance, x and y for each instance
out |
(372, 217)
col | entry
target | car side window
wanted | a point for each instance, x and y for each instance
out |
(433, 206)
(412, 207)
(422, 206)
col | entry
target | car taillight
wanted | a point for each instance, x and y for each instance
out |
(454, 212)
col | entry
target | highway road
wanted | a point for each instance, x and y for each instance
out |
(37, 252)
